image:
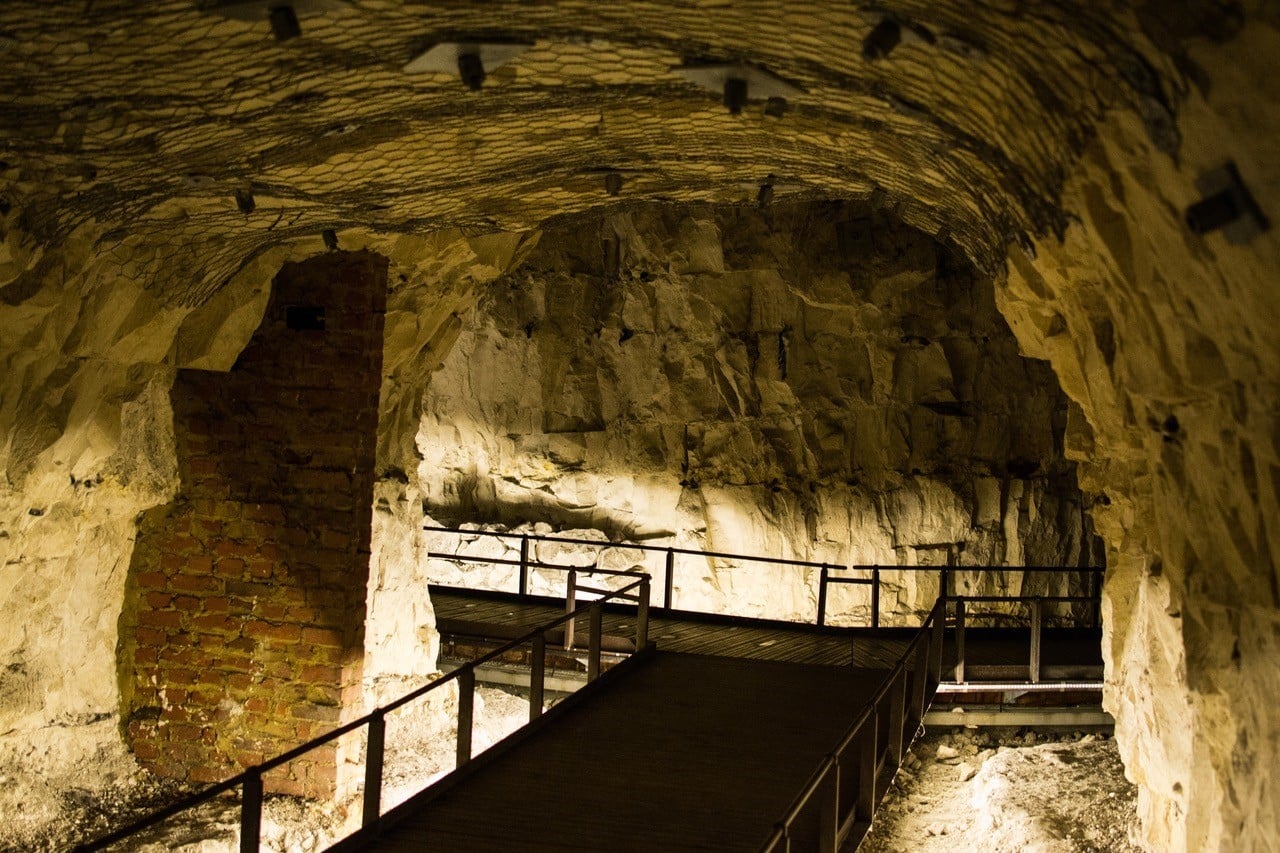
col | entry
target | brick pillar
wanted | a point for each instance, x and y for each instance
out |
(243, 629)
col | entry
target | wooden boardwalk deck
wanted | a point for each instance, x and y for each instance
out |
(991, 652)
(466, 612)
(680, 752)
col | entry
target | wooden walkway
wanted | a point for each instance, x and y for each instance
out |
(993, 653)
(500, 616)
(679, 752)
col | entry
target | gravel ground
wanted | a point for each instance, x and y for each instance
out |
(1000, 790)
(420, 749)
(991, 791)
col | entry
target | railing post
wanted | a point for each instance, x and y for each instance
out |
(822, 596)
(669, 583)
(570, 604)
(919, 675)
(1037, 617)
(937, 633)
(875, 597)
(960, 638)
(466, 709)
(897, 710)
(943, 577)
(373, 769)
(829, 828)
(867, 760)
(524, 564)
(593, 642)
(642, 615)
(251, 812)
(537, 676)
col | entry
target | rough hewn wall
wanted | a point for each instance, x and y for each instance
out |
(809, 381)
(242, 633)
(124, 253)
(1167, 342)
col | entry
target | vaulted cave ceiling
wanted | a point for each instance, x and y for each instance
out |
(129, 131)
(160, 161)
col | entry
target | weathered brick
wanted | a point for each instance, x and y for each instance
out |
(229, 567)
(323, 637)
(151, 580)
(267, 630)
(160, 619)
(270, 525)
(216, 622)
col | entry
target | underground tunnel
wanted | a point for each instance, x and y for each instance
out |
(905, 284)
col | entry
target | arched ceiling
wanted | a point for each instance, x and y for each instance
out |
(132, 126)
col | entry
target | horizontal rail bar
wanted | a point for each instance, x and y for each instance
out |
(1021, 598)
(862, 581)
(533, 564)
(810, 788)
(1017, 686)
(780, 561)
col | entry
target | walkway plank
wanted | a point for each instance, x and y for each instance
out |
(684, 752)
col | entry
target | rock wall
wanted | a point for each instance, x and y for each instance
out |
(1166, 342)
(816, 382)
(161, 163)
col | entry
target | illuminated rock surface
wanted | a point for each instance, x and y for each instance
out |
(1072, 132)
(809, 382)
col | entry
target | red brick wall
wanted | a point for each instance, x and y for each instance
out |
(243, 629)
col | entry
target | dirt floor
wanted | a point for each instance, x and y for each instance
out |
(420, 749)
(1003, 791)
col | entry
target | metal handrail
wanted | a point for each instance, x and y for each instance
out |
(827, 779)
(825, 579)
(250, 780)
(1037, 603)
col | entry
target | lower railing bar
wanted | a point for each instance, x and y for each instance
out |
(374, 751)
(466, 710)
(251, 813)
(598, 591)
(1018, 687)
(537, 676)
(856, 581)
(1015, 599)
(593, 643)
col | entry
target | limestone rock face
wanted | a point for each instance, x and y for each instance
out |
(811, 382)
(1073, 132)
(1167, 342)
